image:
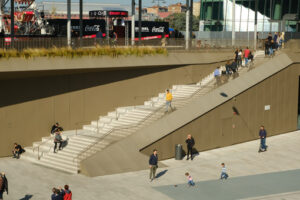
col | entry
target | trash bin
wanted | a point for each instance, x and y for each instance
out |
(178, 152)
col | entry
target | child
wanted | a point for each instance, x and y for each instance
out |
(190, 179)
(224, 174)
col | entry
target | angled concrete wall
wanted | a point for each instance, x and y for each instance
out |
(31, 101)
(210, 119)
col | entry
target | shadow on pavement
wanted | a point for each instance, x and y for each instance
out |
(27, 197)
(161, 173)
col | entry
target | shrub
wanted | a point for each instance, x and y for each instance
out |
(71, 53)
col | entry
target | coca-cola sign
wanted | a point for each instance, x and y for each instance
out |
(94, 28)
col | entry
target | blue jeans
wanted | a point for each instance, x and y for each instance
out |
(270, 51)
(191, 183)
(168, 104)
(224, 175)
(263, 145)
(246, 61)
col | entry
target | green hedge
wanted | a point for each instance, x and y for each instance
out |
(72, 53)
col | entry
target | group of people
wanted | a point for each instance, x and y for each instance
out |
(100, 37)
(190, 142)
(61, 193)
(56, 130)
(273, 43)
(232, 66)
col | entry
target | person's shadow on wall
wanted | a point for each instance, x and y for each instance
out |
(27, 197)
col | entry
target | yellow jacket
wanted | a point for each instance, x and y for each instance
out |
(169, 96)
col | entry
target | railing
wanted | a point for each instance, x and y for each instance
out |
(38, 147)
(208, 79)
(21, 43)
(84, 153)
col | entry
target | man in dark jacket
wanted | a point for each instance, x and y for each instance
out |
(190, 143)
(153, 164)
(3, 185)
(56, 127)
(262, 135)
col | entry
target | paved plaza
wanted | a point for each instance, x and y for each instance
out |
(274, 174)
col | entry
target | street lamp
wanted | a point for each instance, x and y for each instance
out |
(132, 22)
(12, 22)
(140, 21)
(80, 21)
(255, 24)
(69, 22)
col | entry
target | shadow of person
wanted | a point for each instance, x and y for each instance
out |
(161, 173)
(27, 197)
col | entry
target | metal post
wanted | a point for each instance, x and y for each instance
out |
(298, 18)
(132, 22)
(187, 25)
(191, 19)
(69, 22)
(80, 21)
(107, 28)
(248, 24)
(255, 24)
(233, 23)
(241, 16)
(140, 21)
(225, 17)
(12, 22)
(1, 18)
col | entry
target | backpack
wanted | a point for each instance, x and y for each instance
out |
(68, 196)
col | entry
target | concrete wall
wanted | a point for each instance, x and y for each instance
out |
(210, 119)
(31, 101)
(221, 127)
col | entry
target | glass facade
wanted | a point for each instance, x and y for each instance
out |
(273, 15)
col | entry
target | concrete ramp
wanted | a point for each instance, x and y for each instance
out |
(132, 152)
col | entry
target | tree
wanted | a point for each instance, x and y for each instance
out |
(178, 21)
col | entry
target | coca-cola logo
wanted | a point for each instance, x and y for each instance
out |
(94, 28)
(160, 29)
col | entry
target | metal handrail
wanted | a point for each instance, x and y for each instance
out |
(147, 117)
(136, 124)
(38, 147)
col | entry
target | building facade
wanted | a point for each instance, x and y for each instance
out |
(196, 8)
(273, 15)
(177, 8)
(156, 9)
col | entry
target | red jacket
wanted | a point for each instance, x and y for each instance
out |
(67, 195)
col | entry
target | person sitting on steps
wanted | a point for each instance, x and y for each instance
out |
(57, 139)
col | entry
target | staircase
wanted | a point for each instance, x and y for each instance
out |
(114, 126)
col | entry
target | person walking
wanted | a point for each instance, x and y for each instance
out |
(3, 185)
(153, 164)
(246, 56)
(190, 144)
(240, 56)
(262, 134)
(57, 139)
(217, 76)
(224, 174)
(169, 99)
